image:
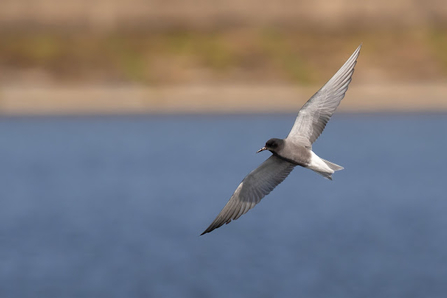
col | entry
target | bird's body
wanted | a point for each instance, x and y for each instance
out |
(295, 150)
(299, 155)
(293, 153)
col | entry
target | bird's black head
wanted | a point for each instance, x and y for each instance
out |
(272, 145)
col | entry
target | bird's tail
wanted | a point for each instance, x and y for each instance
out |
(333, 166)
(323, 167)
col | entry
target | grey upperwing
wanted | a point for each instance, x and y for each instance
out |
(317, 111)
(256, 185)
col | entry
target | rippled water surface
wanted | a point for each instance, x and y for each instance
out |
(113, 207)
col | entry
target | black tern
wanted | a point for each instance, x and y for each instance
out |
(295, 150)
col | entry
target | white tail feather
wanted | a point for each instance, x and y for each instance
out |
(323, 167)
(333, 166)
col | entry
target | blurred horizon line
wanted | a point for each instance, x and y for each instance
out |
(222, 99)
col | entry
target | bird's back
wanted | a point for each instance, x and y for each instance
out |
(295, 153)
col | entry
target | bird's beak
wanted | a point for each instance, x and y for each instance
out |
(262, 149)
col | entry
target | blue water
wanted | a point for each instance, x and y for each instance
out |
(113, 207)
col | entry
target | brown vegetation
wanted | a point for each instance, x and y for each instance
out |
(250, 56)
(57, 49)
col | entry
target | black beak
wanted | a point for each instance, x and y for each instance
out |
(262, 149)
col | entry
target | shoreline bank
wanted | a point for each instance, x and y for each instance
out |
(90, 100)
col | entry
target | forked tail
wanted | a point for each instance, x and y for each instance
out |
(333, 166)
(323, 167)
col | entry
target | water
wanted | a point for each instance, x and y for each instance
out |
(112, 207)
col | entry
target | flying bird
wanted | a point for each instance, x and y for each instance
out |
(295, 150)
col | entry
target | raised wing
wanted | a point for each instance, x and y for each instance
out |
(256, 185)
(317, 111)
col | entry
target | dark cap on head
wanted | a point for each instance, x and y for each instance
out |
(272, 145)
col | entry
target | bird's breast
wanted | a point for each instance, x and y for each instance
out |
(296, 154)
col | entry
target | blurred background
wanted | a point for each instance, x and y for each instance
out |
(140, 56)
(125, 127)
